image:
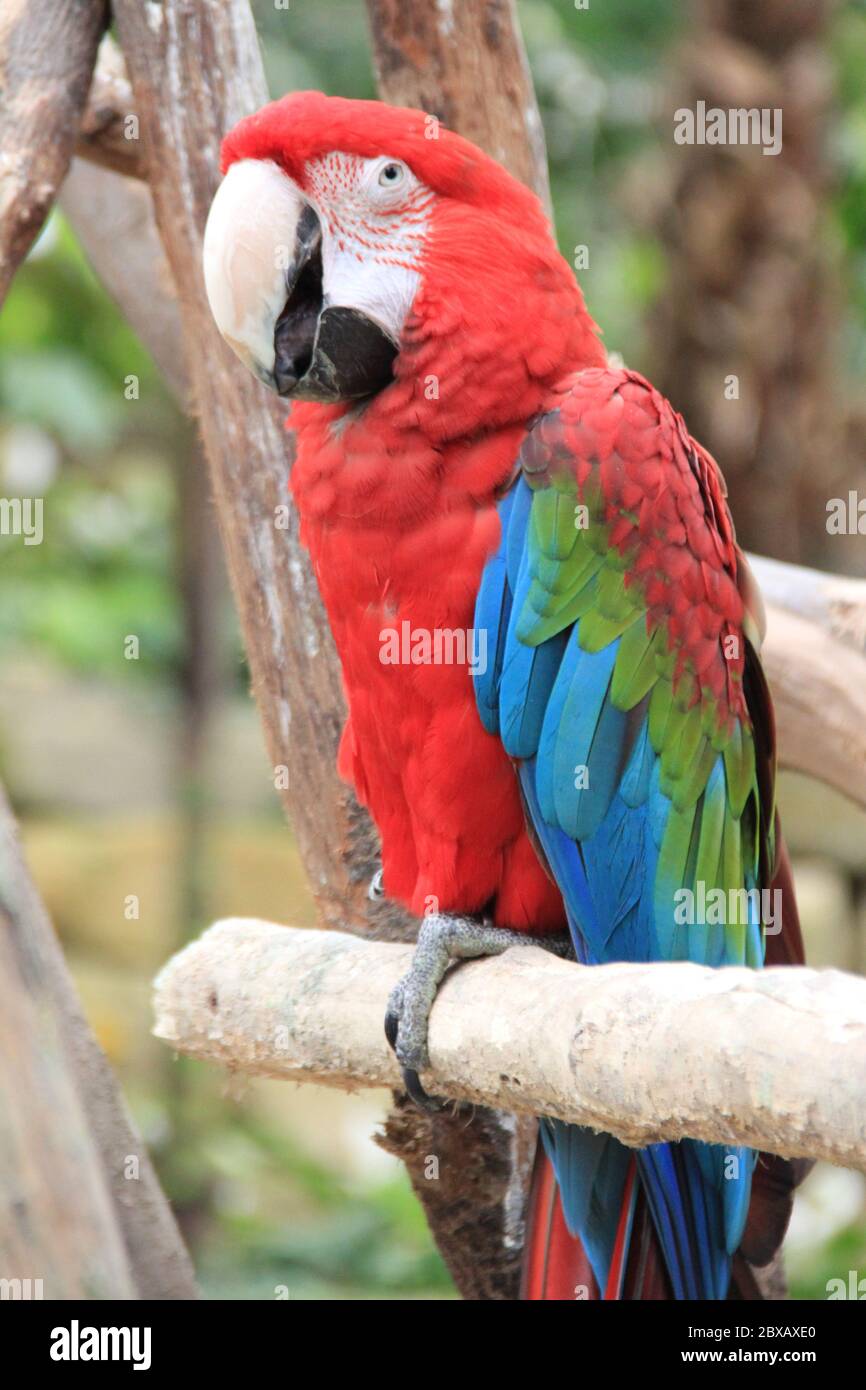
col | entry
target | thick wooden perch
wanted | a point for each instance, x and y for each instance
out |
(622, 1048)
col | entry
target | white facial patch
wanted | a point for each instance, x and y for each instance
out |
(374, 216)
(249, 241)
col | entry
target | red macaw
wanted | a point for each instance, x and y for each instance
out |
(470, 470)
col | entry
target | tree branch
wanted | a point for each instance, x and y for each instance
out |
(47, 53)
(108, 133)
(815, 658)
(625, 1046)
(834, 602)
(466, 64)
(80, 1205)
(113, 219)
(194, 74)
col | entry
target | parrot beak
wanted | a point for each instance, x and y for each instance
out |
(262, 261)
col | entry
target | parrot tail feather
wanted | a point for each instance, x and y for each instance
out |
(622, 1244)
(556, 1266)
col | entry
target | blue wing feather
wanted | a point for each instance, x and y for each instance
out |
(592, 788)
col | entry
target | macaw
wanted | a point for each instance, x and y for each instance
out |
(549, 638)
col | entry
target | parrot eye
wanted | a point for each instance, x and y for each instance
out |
(391, 175)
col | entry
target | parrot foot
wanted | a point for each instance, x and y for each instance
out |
(443, 939)
(376, 888)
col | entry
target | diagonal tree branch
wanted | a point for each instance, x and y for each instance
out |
(113, 219)
(194, 74)
(80, 1205)
(108, 134)
(47, 53)
(815, 658)
(625, 1046)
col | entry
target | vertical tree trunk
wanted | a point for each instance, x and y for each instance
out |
(742, 341)
(194, 74)
(466, 64)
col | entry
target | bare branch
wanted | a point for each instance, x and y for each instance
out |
(819, 694)
(835, 602)
(47, 53)
(108, 134)
(114, 222)
(815, 658)
(80, 1206)
(624, 1047)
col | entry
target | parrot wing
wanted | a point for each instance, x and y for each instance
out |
(627, 688)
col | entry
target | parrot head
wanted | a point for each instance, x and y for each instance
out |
(348, 234)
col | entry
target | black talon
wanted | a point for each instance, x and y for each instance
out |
(416, 1092)
(392, 1027)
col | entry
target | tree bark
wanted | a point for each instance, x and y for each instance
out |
(751, 291)
(108, 133)
(625, 1046)
(815, 659)
(47, 52)
(80, 1206)
(464, 63)
(113, 220)
(194, 74)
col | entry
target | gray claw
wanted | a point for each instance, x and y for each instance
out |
(441, 940)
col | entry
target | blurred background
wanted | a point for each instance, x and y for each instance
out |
(137, 768)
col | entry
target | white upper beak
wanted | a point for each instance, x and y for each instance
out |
(249, 243)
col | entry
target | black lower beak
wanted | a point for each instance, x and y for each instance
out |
(325, 354)
(295, 329)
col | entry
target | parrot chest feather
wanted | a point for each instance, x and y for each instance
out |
(399, 572)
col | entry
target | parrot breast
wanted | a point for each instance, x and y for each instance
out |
(399, 531)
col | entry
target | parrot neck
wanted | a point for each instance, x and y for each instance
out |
(486, 343)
